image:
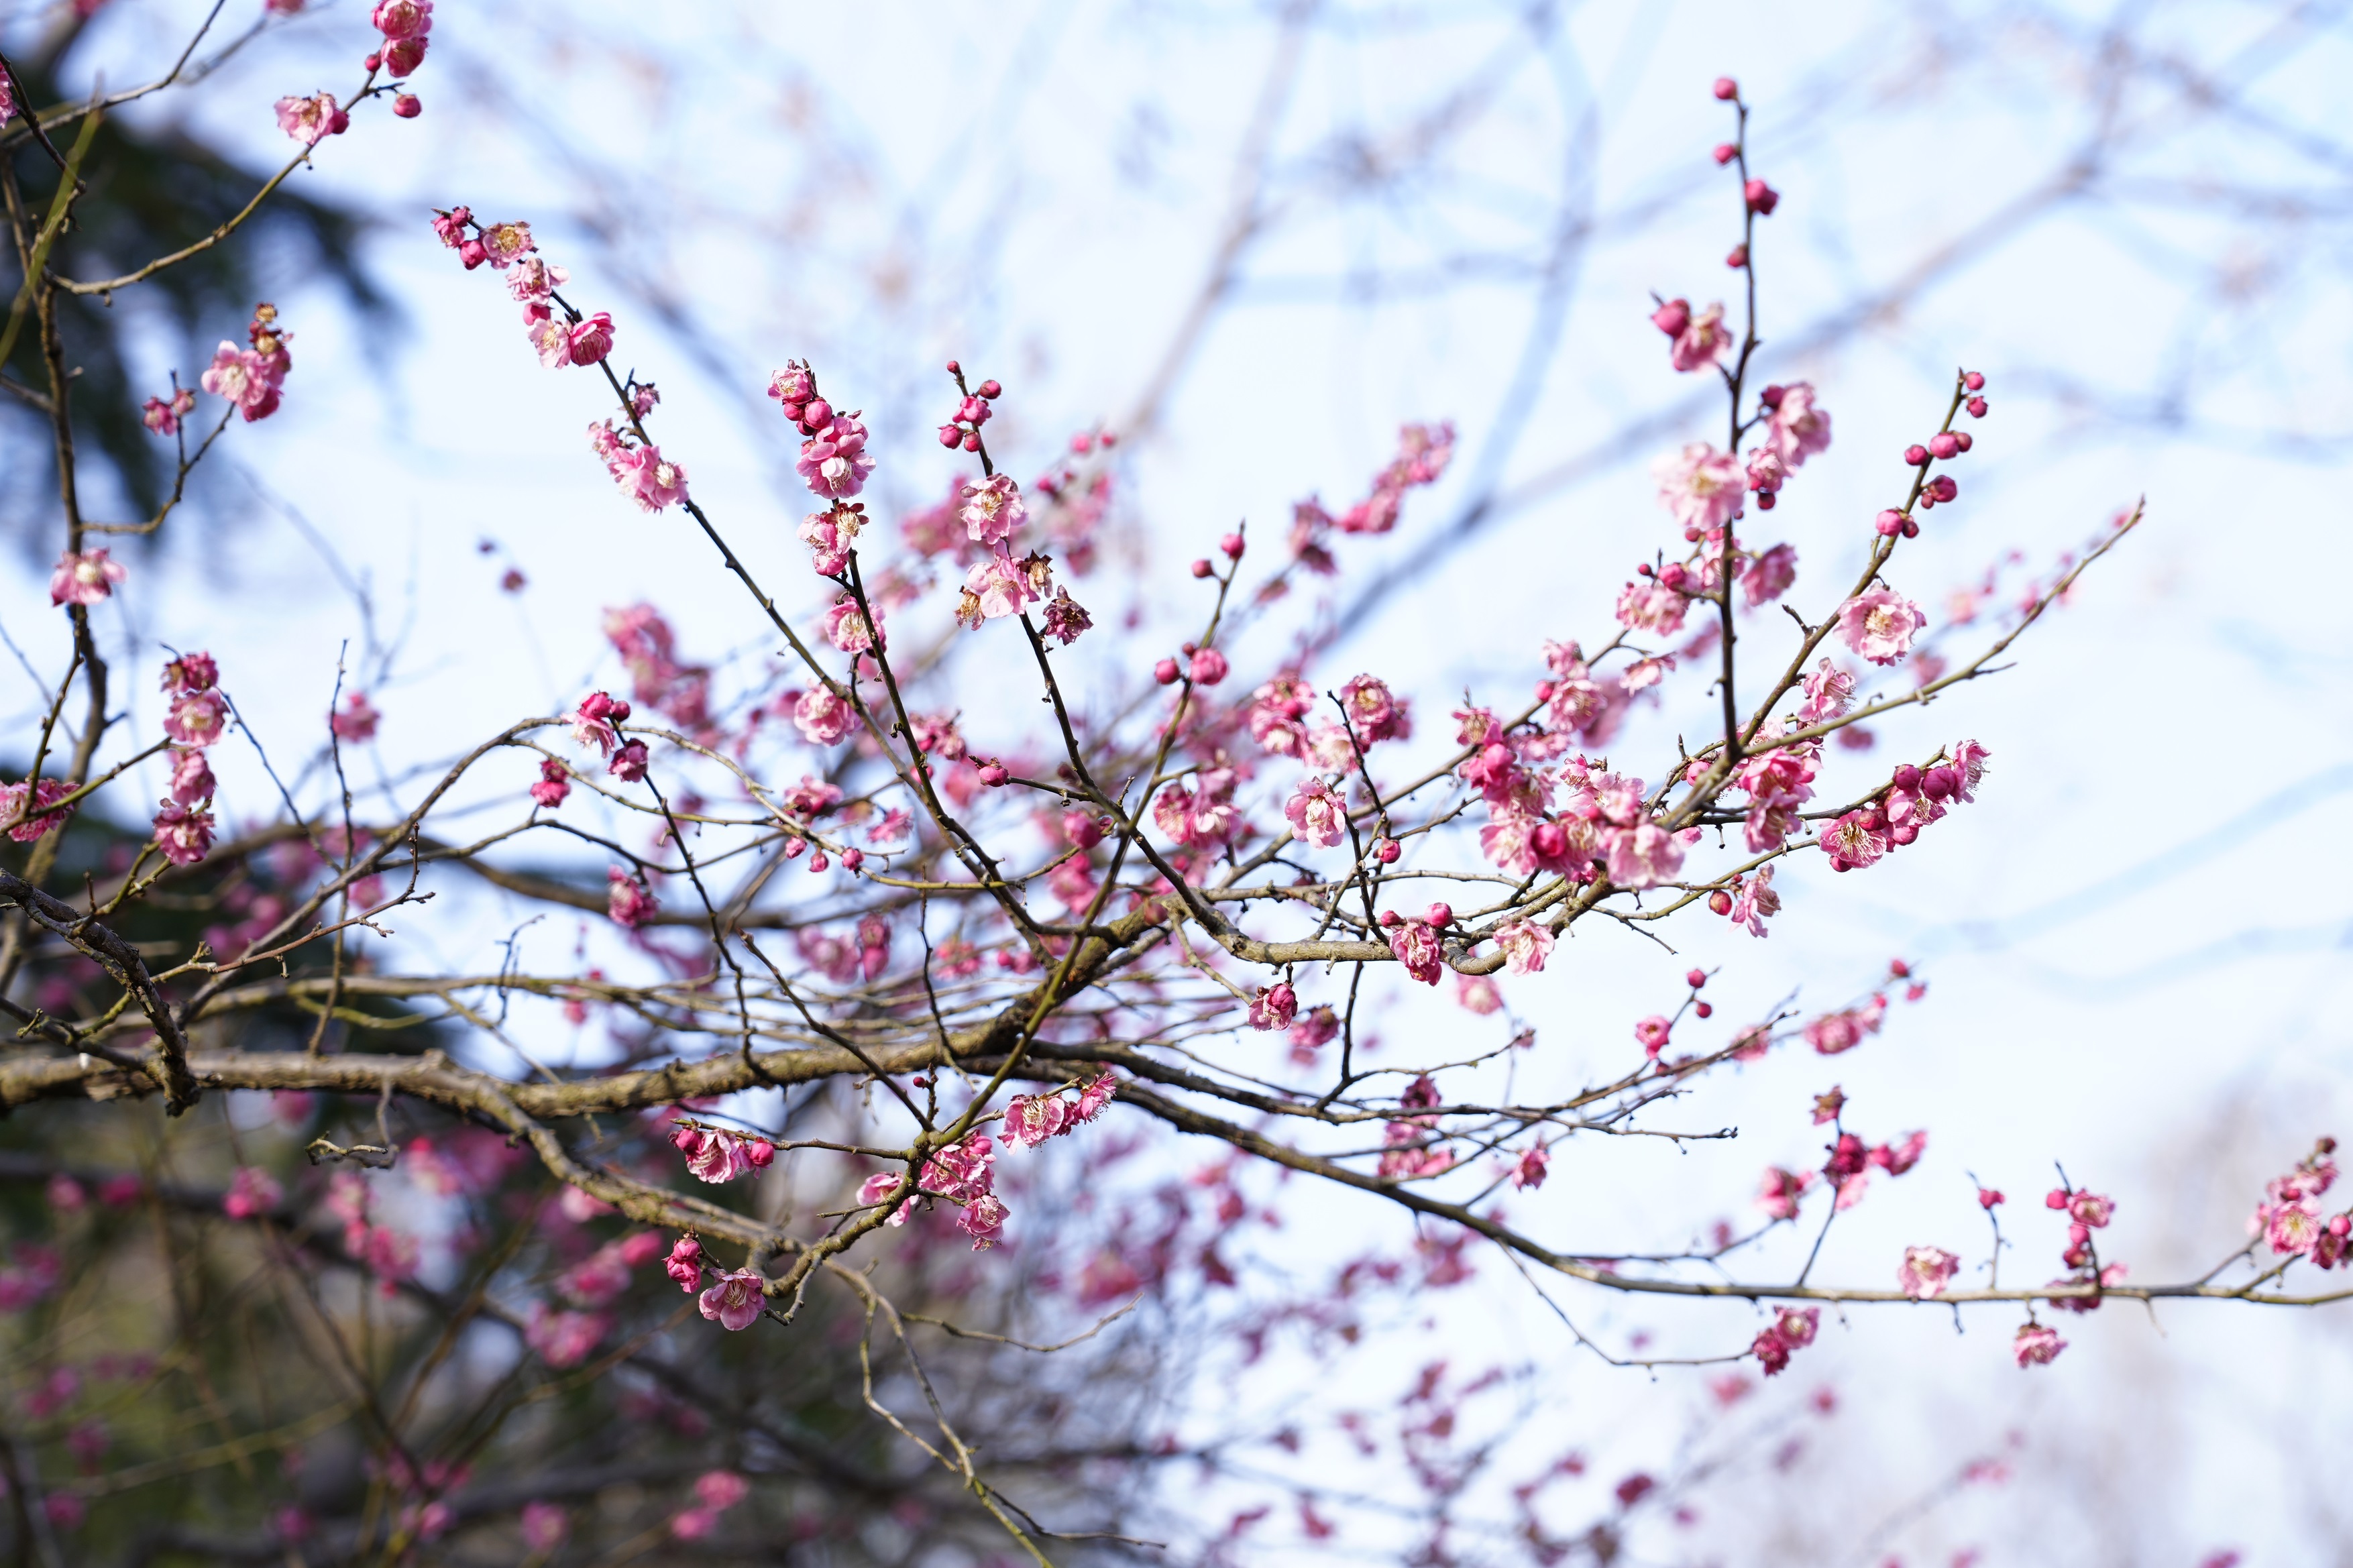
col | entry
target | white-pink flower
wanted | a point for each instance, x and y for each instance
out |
(1526, 943)
(183, 834)
(737, 1300)
(834, 461)
(85, 578)
(1926, 1271)
(1799, 428)
(1701, 341)
(1643, 855)
(1880, 625)
(992, 508)
(1700, 486)
(306, 120)
(997, 587)
(1316, 814)
(822, 717)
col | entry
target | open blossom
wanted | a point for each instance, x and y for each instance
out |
(1374, 714)
(1800, 427)
(1792, 1329)
(1769, 575)
(1969, 766)
(1526, 943)
(834, 461)
(1648, 606)
(992, 509)
(163, 418)
(1880, 625)
(1700, 486)
(735, 1301)
(1699, 340)
(86, 577)
(1416, 944)
(997, 587)
(822, 717)
(356, 721)
(1316, 814)
(197, 719)
(1753, 900)
(847, 626)
(1274, 1007)
(2036, 1344)
(183, 834)
(28, 820)
(1926, 1271)
(1643, 855)
(1202, 816)
(1780, 1191)
(1857, 839)
(554, 787)
(246, 378)
(1651, 1033)
(594, 720)
(308, 120)
(1065, 619)
(590, 340)
(1829, 692)
(629, 900)
(1529, 1170)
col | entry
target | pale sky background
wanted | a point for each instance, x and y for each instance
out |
(2138, 940)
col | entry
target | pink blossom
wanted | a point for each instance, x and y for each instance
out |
(185, 836)
(878, 1188)
(591, 338)
(85, 578)
(992, 509)
(1202, 817)
(192, 776)
(721, 1489)
(27, 819)
(629, 900)
(162, 417)
(1700, 339)
(252, 1192)
(1030, 1119)
(399, 19)
(1274, 1007)
(544, 1527)
(999, 586)
(1897, 1158)
(2296, 1226)
(1529, 1170)
(1319, 1028)
(1880, 625)
(982, 1219)
(1769, 575)
(1275, 713)
(1653, 607)
(1857, 839)
(1780, 1191)
(2036, 1344)
(834, 461)
(1065, 619)
(2093, 1209)
(594, 720)
(847, 626)
(1417, 947)
(629, 764)
(734, 1300)
(1526, 943)
(684, 1264)
(551, 340)
(1766, 473)
(1968, 762)
(1479, 994)
(693, 1523)
(1209, 668)
(308, 120)
(1829, 692)
(555, 784)
(1643, 857)
(1800, 428)
(357, 720)
(1700, 486)
(242, 377)
(1374, 713)
(1651, 1032)
(1926, 1271)
(504, 243)
(822, 717)
(1316, 814)
(651, 479)
(1834, 1032)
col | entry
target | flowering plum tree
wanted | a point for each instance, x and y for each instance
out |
(880, 962)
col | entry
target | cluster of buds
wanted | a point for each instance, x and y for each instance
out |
(963, 428)
(1031, 1118)
(1792, 1329)
(405, 25)
(252, 379)
(714, 1155)
(962, 1174)
(1942, 448)
(2289, 1219)
(1914, 798)
(163, 418)
(198, 717)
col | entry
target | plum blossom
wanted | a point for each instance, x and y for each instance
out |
(1769, 575)
(1374, 714)
(163, 418)
(1065, 620)
(85, 577)
(1857, 839)
(1643, 855)
(1700, 486)
(595, 719)
(356, 721)
(1274, 1007)
(1648, 606)
(2036, 1344)
(252, 1192)
(734, 1300)
(1968, 764)
(1416, 944)
(197, 719)
(1203, 816)
(1792, 1329)
(1699, 340)
(1926, 1271)
(999, 586)
(1529, 1170)
(1030, 1119)
(544, 1527)
(1780, 1191)
(833, 460)
(1319, 1028)
(1829, 692)
(183, 834)
(1880, 625)
(1275, 713)
(555, 784)
(684, 1264)
(629, 900)
(1525, 944)
(992, 509)
(1800, 428)
(1316, 814)
(590, 339)
(822, 717)
(310, 120)
(192, 777)
(1651, 1033)
(27, 819)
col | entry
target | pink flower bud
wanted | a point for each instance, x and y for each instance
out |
(1673, 317)
(1388, 852)
(818, 864)
(1944, 444)
(989, 389)
(406, 106)
(472, 253)
(1695, 979)
(1209, 667)
(1766, 500)
(1974, 382)
(1976, 407)
(955, 369)
(1944, 487)
(1702, 1009)
(1720, 902)
(2056, 1198)
(1915, 454)
(817, 414)
(1440, 915)
(851, 859)
(971, 442)
(1673, 574)
(1202, 568)
(1725, 152)
(1906, 777)
(993, 775)
(950, 436)
(1726, 90)
(1737, 258)
(1389, 916)
(1164, 672)
(1772, 395)
(371, 60)
(759, 1151)
(1890, 524)
(1911, 529)
(1762, 198)
(1232, 545)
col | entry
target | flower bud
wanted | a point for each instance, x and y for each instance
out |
(406, 106)
(1209, 667)
(971, 442)
(1725, 152)
(852, 858)
(1890, 524)
(993, 775)
(1762, 197)
(1232, 545)
(1726, 90)
(1388, 852)
(1976, 407)
(1704, 1010)
(1202, 568)
(989, 389)
(1914, 454)
(1946, 486)
(951, 437)
(1766, 500)
(472, 253)
(1695, 979)
(1974, 382)
(759, 1152)
(1911, 529)
(1673, 317)
(371, 60)
(1737, 258)
(1906, 777)
(1440, 915)
(955, 369)
(1388, 916)
(1720, 902)
(1164, 672)
(818, 863)
(1962, 439)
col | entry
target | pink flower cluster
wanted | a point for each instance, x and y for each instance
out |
(252, 378)
(313, 120)
(2289, 1219)
(964, 1175)
(163, 418)
(1914, 798)
(716, 1156)
(1696, 341)
(28, 810)
(252, 1192)
(962, 426)
(1792, 1329)
(1031, 1118)
(1793, 429)
(388, 1253)
(2086, 1212)
(715, 1491)
(627, 899)
(403, 24)
(197, 717)
(1410, 1153)
(1423, 452)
